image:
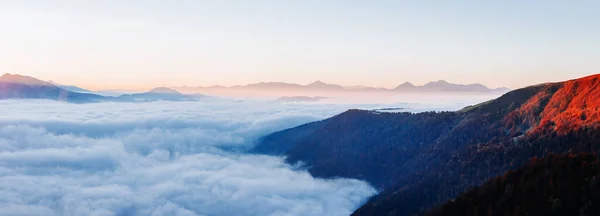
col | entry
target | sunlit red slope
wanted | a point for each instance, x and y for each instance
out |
(496, 136)
(423, 159)
(574, 105)
(559, 107)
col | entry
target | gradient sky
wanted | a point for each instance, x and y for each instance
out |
(145, 43)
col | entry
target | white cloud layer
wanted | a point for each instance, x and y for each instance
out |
(164, 158)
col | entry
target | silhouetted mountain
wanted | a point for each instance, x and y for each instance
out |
(432, 87)
(14, 86)
(407, 86)
(105, 93)
(70, 87)
(443, 86)
(271, 86)
(115, 92)
(159, 94)
(427, 158)
(164, 90)
(555, 185)
(318, 85)
(501, 89)
(23, 80)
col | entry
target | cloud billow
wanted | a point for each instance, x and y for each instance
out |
(161, 158)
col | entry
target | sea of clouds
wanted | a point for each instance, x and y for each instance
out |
(162, 158)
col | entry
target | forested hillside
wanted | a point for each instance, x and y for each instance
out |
(555, 185)
(424, 159)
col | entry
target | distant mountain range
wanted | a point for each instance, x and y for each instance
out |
(68, 87)
(23, 87)
(420, 160)
(18, 86)
(13, 86)
(107, 93)
(318, 86)
(160, 94)
(443, 86)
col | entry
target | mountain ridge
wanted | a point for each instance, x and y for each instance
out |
(24, 80)
(163, 90)
(407, 87)
(14, 86)
(437, 86)
(423, 159)
(160, 94)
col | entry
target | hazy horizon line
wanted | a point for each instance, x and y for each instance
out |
(150, 87)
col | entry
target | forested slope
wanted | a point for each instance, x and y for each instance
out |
(555, 185)
(424, 159)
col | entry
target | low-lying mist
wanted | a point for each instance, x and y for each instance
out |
(162, 158)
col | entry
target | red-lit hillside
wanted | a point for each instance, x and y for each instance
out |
(573, 106)
(560, 107)
(420, 160)
(496, 136)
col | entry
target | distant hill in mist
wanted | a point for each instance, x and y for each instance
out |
(17, 86)
(318, 86)
(14, 86)
(160, 94)
(443, 86)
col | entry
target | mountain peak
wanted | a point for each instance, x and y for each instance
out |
(322, 85)
(407, 84)
(439, 82)
(164, 90)
(317, 83)
(25, 80)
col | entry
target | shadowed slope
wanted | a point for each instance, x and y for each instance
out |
(554, 185)
(427, 158)
(14, 86)
(494, 137)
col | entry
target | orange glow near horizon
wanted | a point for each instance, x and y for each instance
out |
(142, 84)
(124, 45)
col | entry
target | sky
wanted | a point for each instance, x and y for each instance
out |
(116, 44)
